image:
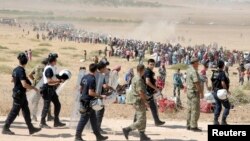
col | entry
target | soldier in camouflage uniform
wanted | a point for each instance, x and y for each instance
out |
(137, 97)
(193, 96)
(36, 75)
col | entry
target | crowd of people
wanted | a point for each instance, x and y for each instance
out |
(95, 84)
(141, 85)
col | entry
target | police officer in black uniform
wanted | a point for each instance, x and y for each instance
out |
(220, 81)
(49, 92)
(88, 94)
(151, 88)
(21, 84)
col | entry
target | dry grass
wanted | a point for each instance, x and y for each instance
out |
(3, 47)
(40, 51)
(2, 59)
(34, 40)
(114, 22)
(68, 48)
(4, 69)
(45, 44)
(15, 52)
(239, 97)
(13, 43)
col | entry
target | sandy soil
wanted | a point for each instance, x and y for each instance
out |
(228, 25)
(169, 132)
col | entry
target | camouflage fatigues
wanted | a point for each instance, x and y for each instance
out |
(140, 109)
(193, 98)
(38, 74)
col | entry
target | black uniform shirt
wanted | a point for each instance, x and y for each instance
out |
(149, 74)
(88, 82)
(18, 75)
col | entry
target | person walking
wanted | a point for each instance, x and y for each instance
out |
(151, 89)
(138, 99)
(20, 102)
(88, 94)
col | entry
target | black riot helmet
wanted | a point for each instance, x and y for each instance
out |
(23, 60)
(52, 57)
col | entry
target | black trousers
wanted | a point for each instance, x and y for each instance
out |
(99, 116)
(89, 115)
(154, 111)
(49, 96)
(19, 102)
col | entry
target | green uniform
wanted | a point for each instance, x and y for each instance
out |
(37, 74)
(140, 109)
(193, 98)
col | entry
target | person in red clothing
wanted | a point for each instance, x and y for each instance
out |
(203, 77)
(248, 74)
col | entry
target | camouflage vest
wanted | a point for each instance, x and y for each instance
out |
(38, 73)
(132, 95)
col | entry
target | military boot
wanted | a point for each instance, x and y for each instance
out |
(33, 130)
(78, 138)
(224, 121)
(159, 123)
(6, 130)
(216, 121)
(144, 137)
(100, 137)
(57, 123)
(126, 132)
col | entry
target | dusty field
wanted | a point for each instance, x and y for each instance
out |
(169, 132)
(196, 23)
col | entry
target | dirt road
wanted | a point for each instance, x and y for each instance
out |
(171, 131)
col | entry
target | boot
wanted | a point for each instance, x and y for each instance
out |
(224, 121)
(6, 130)
(57, 123)
(126, 132)
(33, 130)
(196, 129)
(144, 137)
(101, 138)
(216, 122)
(159, 123)
(78, 138)
(102, 131)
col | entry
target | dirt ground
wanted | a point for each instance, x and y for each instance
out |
(227, 25)
(169, 132)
